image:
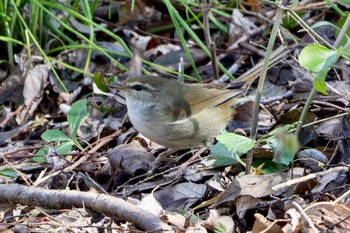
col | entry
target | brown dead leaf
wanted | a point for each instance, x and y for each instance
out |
(181, 196)
(263, 225)
(243, 203)
(34, 84)
(131, 158)
(173, 218)
(256, 186)
(329, 217)
(323, 181)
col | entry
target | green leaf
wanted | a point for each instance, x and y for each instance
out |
(236, 143)
(319, 59)
(8, 172)
(285, 147)
(64, 147)
(11, 40)
(289, 22)
(100, 82)
(75, 115)
(54, 135)
(319, 81)
(228, 149)
(222, 156)
(39, 159)
(220, 228)
(43, 151)
(316, 57)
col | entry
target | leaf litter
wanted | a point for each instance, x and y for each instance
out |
(70, 161)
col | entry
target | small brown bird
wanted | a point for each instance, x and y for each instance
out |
(175, 114)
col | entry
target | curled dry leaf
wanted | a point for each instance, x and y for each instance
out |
(90, 128)
(313, 159)
(93, 125)
(131, 158)
(35, 83)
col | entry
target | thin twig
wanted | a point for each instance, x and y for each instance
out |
(304, 215)
(308, 177)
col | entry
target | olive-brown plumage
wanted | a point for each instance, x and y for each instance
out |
(175, 114)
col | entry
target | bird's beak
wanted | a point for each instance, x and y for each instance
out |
(118, 86)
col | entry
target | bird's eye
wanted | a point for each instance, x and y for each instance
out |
(139, 87)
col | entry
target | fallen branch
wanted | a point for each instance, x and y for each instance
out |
(104, 204)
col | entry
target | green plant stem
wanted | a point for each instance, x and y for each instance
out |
(87, 13)
(262, 79)
(7, 31)
(33, 39)
(65, 65)
(170, 71)
(176, 19)
(336, 8)
(342, 33)
(89, 22)
(316, 36)
(313, 90)
(168, 27)
(179, 20)
(305, 110)
(76, 142)
(9, 45)
(60, 34)
(309, 29)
